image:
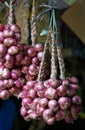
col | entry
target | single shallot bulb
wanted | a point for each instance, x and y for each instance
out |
(19, 57)
(30, 84)
(39, 47)
(23, 111)
(13, 50)
(51, 120)
(64, 103)
(62, 90)
(73, 80)
(39, 86)
(31, 52)
(53, 105)
(8, 33)
(68, 117)
(47, 114)
(51, 93)
(32, 93)
(53, 83)
(9, 57)
(75, 110)
(4, 94)
(26, 101)
(15, 28)
(65, 82)
(17, 36)
(40, 109)
(6, 73)
(33, 70)
(24, 69)
(60, 115)
(35, 61)
(8, 42)
(40, 55)
(43, 102)
(26, 60)
(76, 100)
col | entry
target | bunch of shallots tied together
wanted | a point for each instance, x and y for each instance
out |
(18, 62)
(51, 99)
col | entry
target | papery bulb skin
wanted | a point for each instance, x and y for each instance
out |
(51, 93)
(53, 105)
(73, 80)
(60, 115)
(51, 120)
(15, 28)
(75, 110)
(76, 100)
(4, 94)
(23, 111)
(2, 50)
(31, 52)
(62, 90)
(43, 102)
(39, 47)
(64, 103)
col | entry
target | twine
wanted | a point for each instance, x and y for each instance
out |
(33, 25)
(61, 63)
(11, 12)
(53, 59)
(43, 62)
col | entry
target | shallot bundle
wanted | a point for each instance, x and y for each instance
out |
(51, 99)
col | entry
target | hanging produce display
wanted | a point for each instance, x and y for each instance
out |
(19, 62)
(28, 72)
(53, 99)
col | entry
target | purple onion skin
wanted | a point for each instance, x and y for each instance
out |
(13, 50)
(40, 110)
(68, 118)
(32, 93)
(76, 100)
(39, 47)
(2, 50)
(26, 101)
(47, 114)
(31, 84)
(60, 115)
(43, 102)
(40, 55)
(65, 82)
(27, 118)
(31, 52)
(51, 120)
(62, 90)
(73, 80)
(53, 83)
(51, 93)
(4, 94)
(23, 111)
(53, 105)
(64, 103)
(75, 110)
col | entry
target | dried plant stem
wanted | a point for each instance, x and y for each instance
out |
(33, 25)
(53, 59)
(61, 63)
(11, 17)
(43, 62)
